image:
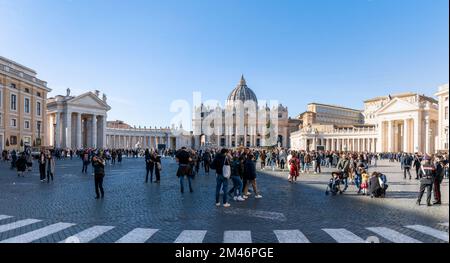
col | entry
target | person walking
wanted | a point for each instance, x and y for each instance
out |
(21, 165)
(263, 160)
(14, 159)
(113, 157)
(149, 165)
(158, 167)
(119, 156)
(428, 174)
(206, 161)
(236, 168)
(99, 173)
(417, 164)
(218, 164)
(183, 158)
(85, 160)
(294, 164)
(318, 160)
(250, 174)
(50, 166)
(344, 166)
(438, 180)
(282, 155)
(42, 163)
(407, 163)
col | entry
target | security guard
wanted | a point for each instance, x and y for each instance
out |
(428, 174)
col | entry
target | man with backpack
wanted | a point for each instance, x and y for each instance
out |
(220, 162)
(407, 163)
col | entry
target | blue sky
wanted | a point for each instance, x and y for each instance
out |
(145, 54)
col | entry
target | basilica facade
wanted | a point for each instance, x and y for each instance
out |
(242, 122)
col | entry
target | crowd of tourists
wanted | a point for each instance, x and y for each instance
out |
(239, 166)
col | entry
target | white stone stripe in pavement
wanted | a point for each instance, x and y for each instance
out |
(430, 231)
(290, 236)
(342, 235)
(237, 237)
(393, 235)
(191, 236)
(4, 217)
(444, 224)
(38, 233)
(17, 224)
(138, 235)
(88, 235)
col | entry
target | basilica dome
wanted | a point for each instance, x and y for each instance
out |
(242, 93)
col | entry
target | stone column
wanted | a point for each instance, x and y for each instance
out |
(79, 130)
(58, 130)
(390, 135)
(427, 135)
(68, 130)
(103, 131)
(169, 143)
(418, 132)
(94, 131)
(406, 136)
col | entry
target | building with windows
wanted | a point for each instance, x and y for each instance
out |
(405, 122)
(22, 106)
(442, 96)
(330, 114)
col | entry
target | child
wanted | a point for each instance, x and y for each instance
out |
(364, 181)
(294, 164)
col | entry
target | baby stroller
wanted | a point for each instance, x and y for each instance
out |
(334, 185)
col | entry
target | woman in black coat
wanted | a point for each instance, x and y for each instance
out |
(42, 162)
(21, 165)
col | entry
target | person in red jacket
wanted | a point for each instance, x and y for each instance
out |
(294, 163)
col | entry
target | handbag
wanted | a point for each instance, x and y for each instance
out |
(226, 170)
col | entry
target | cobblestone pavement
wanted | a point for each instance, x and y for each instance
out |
(65, 210)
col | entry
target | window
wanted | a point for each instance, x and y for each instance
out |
(38, 108)
(38, 94)
(38, 126)
(13, 102)
(27, 140)
(1, 98)
(27, 90)
(13, 86)
(446, 113)
(13, 123)
(27, 125)
(13, 140)
(27, 105)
